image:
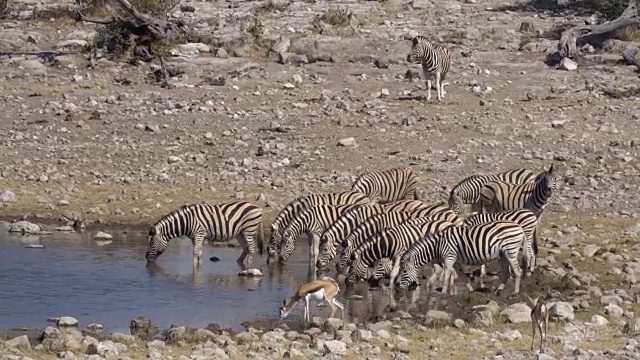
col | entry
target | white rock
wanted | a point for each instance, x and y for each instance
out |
(7, 196)
(517, 313)
(598, 320)
(567, 64)
(335, 347)
(67, 321)
(350, 141)
(561, 310)
(25, 227)
(251, 273)
(101, 235)
(74, 44)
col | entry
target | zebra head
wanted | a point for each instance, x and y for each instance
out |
(157, 244)
(275, 239)
(455, 202)
(419, 45)
(289, 241)
(343, 262)
(408, 273)
(325, 254)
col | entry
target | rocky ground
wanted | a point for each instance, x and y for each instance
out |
(109, 144)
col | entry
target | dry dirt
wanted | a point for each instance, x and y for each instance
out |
(110, 144)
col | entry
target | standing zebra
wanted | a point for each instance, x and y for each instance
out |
(435, 60)
(527, 221)
(313, 222)
(350, 220)
(467, 191)
(391, 243)
(500, 196)
(240, 220)
(387, 186)
(372, 227)
(286, 215)
(473, 245)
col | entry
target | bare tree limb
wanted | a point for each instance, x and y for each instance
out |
(567, 46)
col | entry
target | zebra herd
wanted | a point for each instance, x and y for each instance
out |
(383, 229)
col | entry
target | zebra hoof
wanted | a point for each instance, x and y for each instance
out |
(214, 259)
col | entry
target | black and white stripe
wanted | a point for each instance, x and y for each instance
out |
(221, 222)
(372, 226)
(286, 215)
(435, 60)
(527, 221)
(391, 243)
(467, 191)
(339, 230)
(457, 246)
(497, 196)
(388, 185)
(313, 222)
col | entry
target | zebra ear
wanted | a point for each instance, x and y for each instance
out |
(415, 40)
(550, 169)
(152, 231)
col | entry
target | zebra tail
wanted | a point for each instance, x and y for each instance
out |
(535, 242)
(260, 238)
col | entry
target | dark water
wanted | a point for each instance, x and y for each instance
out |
(108, 283)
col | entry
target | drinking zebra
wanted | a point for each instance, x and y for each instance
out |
(285, 216)
(467, 191)
(499, 196)
(373, 226)
(222, 222)
(435, 60)
(523, 217)
(455, 246)
(388, 185)
(313, 222)
(391, 243)
(350, 220)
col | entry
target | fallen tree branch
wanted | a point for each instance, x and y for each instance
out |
(569, 39)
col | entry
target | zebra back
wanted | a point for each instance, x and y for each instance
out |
(525, 218)
(467, 191)
(475, 245)
(405, 205)
(447, 214)
(285, 216)
(388, 185)
(349, 220)
(315, 220)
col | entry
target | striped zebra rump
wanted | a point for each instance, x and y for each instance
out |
(388, 185)
(285, 216)
(468, 190)
(497, 196)
(405, 205)
(313, 222)
(447, 214)
(217, 222)
(527, 221)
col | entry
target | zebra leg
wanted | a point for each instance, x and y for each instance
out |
(448, 271)
(394, 272)
(197, 241)
(428, 89)
(512, 262)
(438, 86)
(314, 248)
(483, 273)
(246, 243)
(460, 272)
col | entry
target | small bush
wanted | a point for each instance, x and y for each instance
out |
(337, 16)
(610, 9)
(255, 29)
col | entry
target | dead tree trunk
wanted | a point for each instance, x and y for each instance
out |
(567, 47)
(145, 28)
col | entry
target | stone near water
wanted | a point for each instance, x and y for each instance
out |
(251, 273)
(103, 242)
(102, 236)
(64, 228)
(34, 246)
(214, 259)
(66, 321)
(25, 227)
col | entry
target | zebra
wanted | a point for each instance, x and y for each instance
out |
(378, 223)
(391, 243)
(460, 245)
(467, 191)
(388, 185)
(313, 222)
(435, 60)
(240, 220)
(523, 217)
(286, 215)
(500, 196)
(351, 219)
